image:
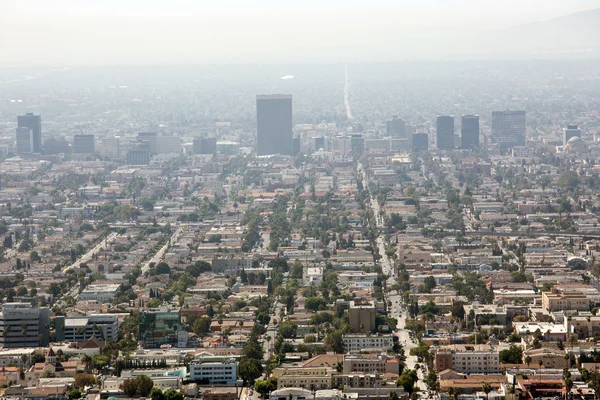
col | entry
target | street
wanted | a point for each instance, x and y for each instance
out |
(387, 267)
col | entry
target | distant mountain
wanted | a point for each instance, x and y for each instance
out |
(571, 36)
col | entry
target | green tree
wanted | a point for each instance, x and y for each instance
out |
(157, 394)
(487, 388)
(74, 394)
(129, 387)
(144, 385)
(407, 380)
(171, 394)
(512, 355)
(249, 370)
(334, 342)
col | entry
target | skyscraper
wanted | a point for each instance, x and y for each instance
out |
(508, 128)
(150, 139)
(569, 132)
(396, 127)
(24, 140)
(444, 132)
(33, 122)
(205, 145)
(274, 124)
(469, 131)
(420, 141)
(357, 144)
(83, 144)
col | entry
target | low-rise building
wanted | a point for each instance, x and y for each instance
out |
(355, 343)
(467, 359)
(564, 301)
(100, 293)
(81, 329)
(214, 370)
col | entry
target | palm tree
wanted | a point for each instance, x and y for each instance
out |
(487, 388)
(540, 363)
(454, 392)
(568, 387)
(528, 360)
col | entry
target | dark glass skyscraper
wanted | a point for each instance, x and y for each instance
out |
(83, 144)
(274, 124)
(33, 122)
(508, 128)
(444, 132)
(469, 131)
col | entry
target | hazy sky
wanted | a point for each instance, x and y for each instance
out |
(74, 32)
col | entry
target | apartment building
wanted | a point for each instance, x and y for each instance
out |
(306, 378)
(357, 343)
(370, 363)
(552, 302)
(22, 325)
(82, 328)
(467, 359)
(100, 293)
(214, 370)
(362, 315)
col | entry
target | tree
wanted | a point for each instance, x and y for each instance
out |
(512, 355)
(454, 392)
(144, 385)
(74, 394)
(129, 387)
(264, 387)
(34, 256)
(334, 341)
(83, 380)
(171, 394)
(287, 329)
(407, 380)
(146, 203)
(568, 386)
(431, 380)
(250, 369)
(528, 360)
(157, 394)
(100, 361)
(198, 268)
(315, 303)
(201, 325)
(487, 388)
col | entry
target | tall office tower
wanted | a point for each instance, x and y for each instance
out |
(569, 132)
(469, 131)
(274, 124)
(138, 154)
(56, 146)
(396, 127)
(169, 145)
(150, 139)
(24, 140)
(319, 143)
(83, 144)
(109, 147)
(420, 141)
(444, 132)
(508, 128)
(24, 326)
(357, 144)
(205, 146)
(33, 122)
(296, 143)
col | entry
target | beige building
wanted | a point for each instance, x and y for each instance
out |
(552, 302)
(583, 325)
(356, 343)
(467, 359)
(311, 378)
(362, 316)
(370, 363)
(550, 358)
